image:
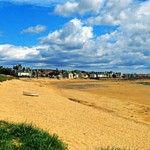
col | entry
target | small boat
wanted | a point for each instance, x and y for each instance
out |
(30, 94)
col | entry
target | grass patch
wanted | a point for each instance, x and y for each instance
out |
(144, 83)
(27, 137)
(111, 148)
(5, 77)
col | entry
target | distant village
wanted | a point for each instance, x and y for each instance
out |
(20, 71)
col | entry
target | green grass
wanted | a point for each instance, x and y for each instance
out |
(5, 77)
(111, 148)
(144, 83)
(27, 137)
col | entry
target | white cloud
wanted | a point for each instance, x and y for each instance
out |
(11, 52)
(68, 46)
(37, 29)
(72, 36)
(113, 13)
(144, 9)
(66, 9)
(105, 12)
(79, 6)
(88, 6)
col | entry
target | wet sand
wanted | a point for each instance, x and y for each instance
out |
(124, 98)
(89, 115)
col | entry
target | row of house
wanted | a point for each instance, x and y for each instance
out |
(59, 74)
(81, 75)
(20, 71)
(84, 75)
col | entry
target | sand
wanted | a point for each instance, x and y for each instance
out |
(85, 114)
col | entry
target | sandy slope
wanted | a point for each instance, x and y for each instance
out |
(84, 124)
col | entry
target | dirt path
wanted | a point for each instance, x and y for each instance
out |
(82, 127)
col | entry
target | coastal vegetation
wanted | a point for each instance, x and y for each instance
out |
(5, 77)
(27, 137)
(144, 83)
(111, 148)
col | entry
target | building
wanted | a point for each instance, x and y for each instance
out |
(68, 75)
(23, 74)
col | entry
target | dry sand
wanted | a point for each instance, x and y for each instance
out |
(85, 114)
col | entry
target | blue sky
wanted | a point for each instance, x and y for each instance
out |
(95, 35)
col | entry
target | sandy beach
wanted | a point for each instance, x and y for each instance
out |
(85, 114)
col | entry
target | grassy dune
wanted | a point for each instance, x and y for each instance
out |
(5, 77)
(27, 137)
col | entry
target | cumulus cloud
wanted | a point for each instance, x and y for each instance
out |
(121, 51)
(68, 46)
(72, 36)
(113, 13)
(11, 52)
(79, 6)
(66, 9)
(87, 6)
(36, 29)
(104, 12)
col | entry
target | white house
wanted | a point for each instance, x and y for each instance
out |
(102, 75)
(24, 74)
